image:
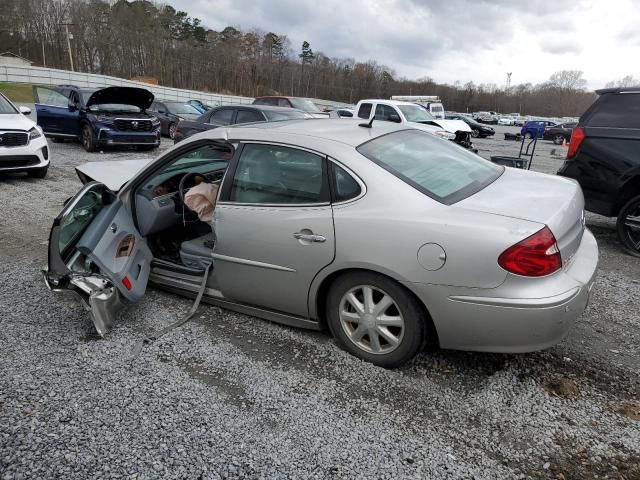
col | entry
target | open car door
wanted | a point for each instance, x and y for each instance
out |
(96, 253)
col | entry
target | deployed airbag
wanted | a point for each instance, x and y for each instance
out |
(202, 200)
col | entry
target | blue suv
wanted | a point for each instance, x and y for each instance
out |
(102, 117)
(535, 128)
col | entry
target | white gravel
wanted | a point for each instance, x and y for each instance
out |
(231, 396)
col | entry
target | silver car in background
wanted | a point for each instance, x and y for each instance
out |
(392, 237)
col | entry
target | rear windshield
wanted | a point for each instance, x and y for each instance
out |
(290, 114)
(438, 168)
(616, 110)
(185, 108)
(415, 113)
(304, 104)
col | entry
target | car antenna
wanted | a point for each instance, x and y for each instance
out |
(367, 125)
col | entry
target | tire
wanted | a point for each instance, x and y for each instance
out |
(172, 130)
(628, 226)
(475, 133)
(409, 328)
(88, 140)
(558, 139)
(528, 135)
(39, 173)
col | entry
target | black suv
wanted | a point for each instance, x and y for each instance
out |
(604, 157)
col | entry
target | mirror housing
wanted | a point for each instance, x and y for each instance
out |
(394, 117)
(24, 110)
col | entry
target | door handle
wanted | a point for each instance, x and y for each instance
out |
(309, 237)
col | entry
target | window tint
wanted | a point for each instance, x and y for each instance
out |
(364, 111)
(46, 96)
(281, 102)
(383, 112)
(439, 169)
(246, 116)
(278, 175)
(616, 110)
(345, 186)
(222, 117)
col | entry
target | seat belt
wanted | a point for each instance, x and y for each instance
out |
(155, 336)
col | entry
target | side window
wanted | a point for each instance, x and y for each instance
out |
(74, 98)
(273, 174)
(47, 96)
(246, 116)
(260, 101)
(364, 111)
(282, 102)
(222, 117)
(383, 112)
(344, 185)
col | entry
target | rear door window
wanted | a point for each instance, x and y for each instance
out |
(364, 111)
(616, 110)
(246, 116)
(345, 186)
(222, 117)
(440, 170)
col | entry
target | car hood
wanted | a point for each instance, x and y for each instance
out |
(451, 126)
(138, 97)
(545, 199)
(114, 173)
(16, 121)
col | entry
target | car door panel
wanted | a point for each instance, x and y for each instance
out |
(259, 261)
(96, 252)
(52, 110)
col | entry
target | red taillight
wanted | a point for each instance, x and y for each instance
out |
(535, 256)
(127, 283)
(577, 135)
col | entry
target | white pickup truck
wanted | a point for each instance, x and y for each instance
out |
(415, 116)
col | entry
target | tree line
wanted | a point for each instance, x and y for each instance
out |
(143, 39)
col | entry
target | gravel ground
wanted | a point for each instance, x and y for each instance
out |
(231, 396)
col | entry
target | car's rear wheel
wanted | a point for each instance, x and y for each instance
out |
(39, 173)
(475, 133)
(558, 139)
(628, 226)
(88, 141)
(376, 319)
(172, 130)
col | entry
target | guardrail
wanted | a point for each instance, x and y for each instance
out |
(52, 76)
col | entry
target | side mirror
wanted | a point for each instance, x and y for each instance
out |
(24, 110)
(394, 117)
(72, 107)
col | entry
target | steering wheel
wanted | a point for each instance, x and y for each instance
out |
(183, 181)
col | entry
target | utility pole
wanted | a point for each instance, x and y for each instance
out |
(66, 29)
(508, 84)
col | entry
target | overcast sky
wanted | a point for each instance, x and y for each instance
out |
(449, 40)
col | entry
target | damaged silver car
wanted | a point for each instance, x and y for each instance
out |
(389, 235)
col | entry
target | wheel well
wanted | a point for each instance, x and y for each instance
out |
(630, 190)
(323, 291)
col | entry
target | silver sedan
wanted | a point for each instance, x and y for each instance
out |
(390, 236)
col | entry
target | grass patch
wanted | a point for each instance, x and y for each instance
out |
(17, 92)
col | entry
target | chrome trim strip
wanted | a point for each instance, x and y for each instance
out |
(271, 205)
(251, 263)
(545, 302)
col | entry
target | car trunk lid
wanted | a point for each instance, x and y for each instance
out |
(548, 200)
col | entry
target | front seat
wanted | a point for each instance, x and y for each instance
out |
(197, 253)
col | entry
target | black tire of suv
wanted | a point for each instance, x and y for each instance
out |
(416, 321)
(39, 173)
(631, 208)
(88, 140)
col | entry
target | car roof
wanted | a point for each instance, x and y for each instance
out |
(388, 102)
(604, 91)
(269, 108)
(342, 130)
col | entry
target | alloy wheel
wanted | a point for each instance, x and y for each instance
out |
(558, 139)
(371, 319)
(172, 130)
(86, 137)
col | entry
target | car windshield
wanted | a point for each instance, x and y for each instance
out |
(179, 108)
(304, 104)
(415, 113)
(435, 167)
(278, 115)
(6, 107)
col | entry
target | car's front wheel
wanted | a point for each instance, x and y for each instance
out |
(558, 139)
(88, 141)
(172, 130)
(475, 133)
(628, 226)
(376, 319)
